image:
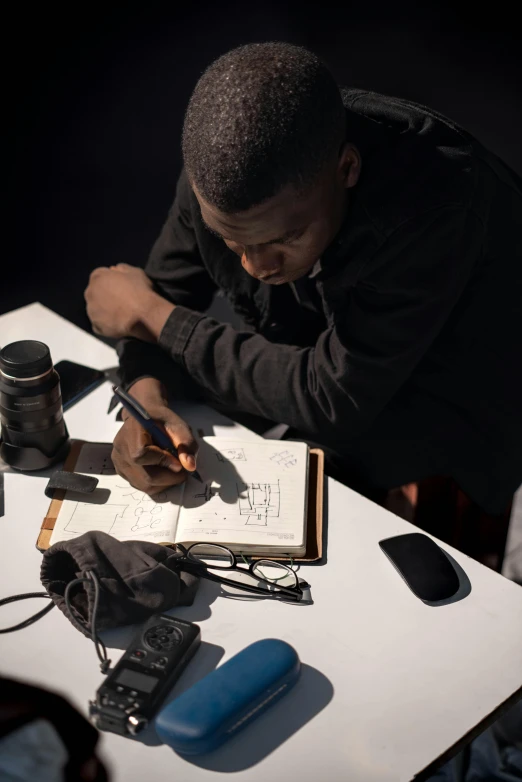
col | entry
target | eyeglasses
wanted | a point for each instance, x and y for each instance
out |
(261, 577)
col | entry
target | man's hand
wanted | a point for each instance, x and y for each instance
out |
(143, 464)
(116, 298)
(120, 300)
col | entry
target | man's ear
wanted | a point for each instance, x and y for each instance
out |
(349, 165)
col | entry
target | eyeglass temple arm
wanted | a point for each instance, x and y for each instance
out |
(203, 572)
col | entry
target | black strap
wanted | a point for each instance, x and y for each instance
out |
(31, 619)
(70, 481)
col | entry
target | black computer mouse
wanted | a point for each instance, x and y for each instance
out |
(423, 565)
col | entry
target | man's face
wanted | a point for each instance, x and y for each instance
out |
(281, 239)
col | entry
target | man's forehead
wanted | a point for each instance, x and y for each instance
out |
(285, 212)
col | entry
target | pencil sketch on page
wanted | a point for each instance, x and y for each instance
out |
(258, 502)
(284, 459)
(83, 513)
(231, 455)
(127, 514)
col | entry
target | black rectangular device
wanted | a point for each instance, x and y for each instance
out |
(133, 692)
(76, 381)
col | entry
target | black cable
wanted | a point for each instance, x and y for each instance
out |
(101, 650)
(30, 620)
(89, 578)
(105, 663)
(80, 624)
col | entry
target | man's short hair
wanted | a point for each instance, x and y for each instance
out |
(261, 117)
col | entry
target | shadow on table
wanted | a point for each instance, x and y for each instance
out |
(464, 586)
(310, 695)
(324, 558)
(121, 637)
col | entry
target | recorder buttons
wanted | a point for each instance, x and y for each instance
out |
(162, 639)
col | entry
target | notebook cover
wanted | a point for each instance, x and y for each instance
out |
(314, 527)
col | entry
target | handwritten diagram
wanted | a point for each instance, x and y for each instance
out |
(259, 502)
(118, 509)
(100, 517)
(231, 455)
(208, 492)
(257, 489)
(146, 518)
(284, 459)
(147, 512)
(142, 512)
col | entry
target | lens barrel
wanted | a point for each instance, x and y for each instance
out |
(34, 434)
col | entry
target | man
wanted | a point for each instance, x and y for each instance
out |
(373, 251)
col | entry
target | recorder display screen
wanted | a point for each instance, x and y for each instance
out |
(137, 681)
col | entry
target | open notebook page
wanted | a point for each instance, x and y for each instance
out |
(253, 494)
(115, 506)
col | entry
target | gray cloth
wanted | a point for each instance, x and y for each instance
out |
(138, 579)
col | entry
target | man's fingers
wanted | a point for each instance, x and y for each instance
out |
(160, 478)
(187, 459)
(153, 456)
(181, 435)
(149, 479)
(97, 272)
(146, 465)
(146, 454)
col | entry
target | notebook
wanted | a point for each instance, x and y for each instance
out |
(254, 498)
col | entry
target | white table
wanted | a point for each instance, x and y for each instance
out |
(389, 685)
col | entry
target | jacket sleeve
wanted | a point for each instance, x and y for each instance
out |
(177, 271)
(400, 304)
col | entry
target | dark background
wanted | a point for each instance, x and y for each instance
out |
(96, 102)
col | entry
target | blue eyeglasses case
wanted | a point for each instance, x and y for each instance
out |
(228, 699)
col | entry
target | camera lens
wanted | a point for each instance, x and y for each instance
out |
(34, 434)
(25, 359)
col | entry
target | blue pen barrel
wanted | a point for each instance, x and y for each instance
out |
(134, 409)
(160, 438)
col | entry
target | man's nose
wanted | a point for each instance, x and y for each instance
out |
(261, 262)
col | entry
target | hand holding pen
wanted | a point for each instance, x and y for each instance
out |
(160, 438)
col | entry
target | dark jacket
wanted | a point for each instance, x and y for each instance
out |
(416, 305)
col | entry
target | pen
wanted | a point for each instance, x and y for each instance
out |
(113, 403)
(112, 375)
(142, 417)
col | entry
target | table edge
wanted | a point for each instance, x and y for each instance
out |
(468, 737)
